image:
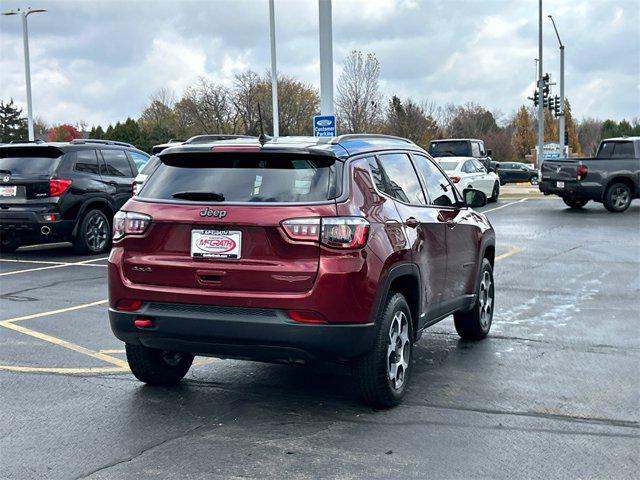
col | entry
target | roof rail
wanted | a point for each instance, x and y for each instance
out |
(37, 140)
(368, 136)
(78, 141)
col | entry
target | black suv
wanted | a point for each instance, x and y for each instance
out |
(52, 192)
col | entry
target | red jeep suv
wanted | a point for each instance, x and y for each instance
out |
(342, 249)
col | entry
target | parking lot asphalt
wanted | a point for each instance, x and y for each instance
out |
(553, 392)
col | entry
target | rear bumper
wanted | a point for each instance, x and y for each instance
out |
(238, 332)
(28, 224)
(590, 191)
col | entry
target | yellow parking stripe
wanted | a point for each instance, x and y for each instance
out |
(50, 265)
(514, 249)
(53, 312)
(63, 370)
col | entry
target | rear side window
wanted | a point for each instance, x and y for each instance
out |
(244, 177)
(401, 181)
(475, 149)
(150, 166)
(623, 149)
(140, 159)
(116, 164)
(29, 162)
(438, 186)
(468, 167)
(86, 161)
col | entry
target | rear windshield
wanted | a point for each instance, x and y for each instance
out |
(264, 177)
(448, 166)
(616, 150)
(449, 149)
(28, 162)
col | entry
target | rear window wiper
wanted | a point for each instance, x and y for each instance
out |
(203, 196)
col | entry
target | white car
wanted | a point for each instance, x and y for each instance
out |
(467, 172)
(144, 174)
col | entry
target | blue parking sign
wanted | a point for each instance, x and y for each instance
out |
(324, 126)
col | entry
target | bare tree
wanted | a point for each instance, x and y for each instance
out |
(410, 120)
(206, 107)
(589, 134)
(359, 102)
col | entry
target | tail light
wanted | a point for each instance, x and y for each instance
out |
(306, 316)
(335, 232)
(129, 223)
(582, 171)
(135, 188)
(455, 178)
(58, 186)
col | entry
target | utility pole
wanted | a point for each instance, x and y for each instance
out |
(561, 119)
(274, 71)
(326, 57)
(27, 69)
(540, 85)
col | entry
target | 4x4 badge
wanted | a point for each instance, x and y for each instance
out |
(207, 212)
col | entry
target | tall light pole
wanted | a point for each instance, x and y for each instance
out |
(27, 68)
(326, 57)
(561, 127)
(540, 87)
(274, 71)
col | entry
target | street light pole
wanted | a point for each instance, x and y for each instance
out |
(27, 69)
(561, 119)
(326, 57)
(540, 85)
(274, 71)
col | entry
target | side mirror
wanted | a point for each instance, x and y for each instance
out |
(488, 152)
(474, 198)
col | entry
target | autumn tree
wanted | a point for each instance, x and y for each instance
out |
(410, 120)
(358, 100)
(523, 139)
(550, 127)
(571, 128)
(470, 121)
(13, 126)
(589, 135)
(63, 133)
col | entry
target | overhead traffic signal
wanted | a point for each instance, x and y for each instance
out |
(556, 107)
(536, 97)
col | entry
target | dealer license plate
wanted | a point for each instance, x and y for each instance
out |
(216, 244)
(560, 184)
(8, 191)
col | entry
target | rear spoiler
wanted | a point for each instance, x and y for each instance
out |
(47, 151)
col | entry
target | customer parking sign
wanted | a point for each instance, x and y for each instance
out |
(324, 126)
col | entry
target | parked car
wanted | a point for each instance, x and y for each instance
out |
(612, 177)
(341, 249)
(514, 172)
(214, 137)
(144, 173)
(462, 147)
(160, 147)
(52, 192)
(470, 173)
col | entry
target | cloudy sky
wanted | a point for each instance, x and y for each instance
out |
(99, 61)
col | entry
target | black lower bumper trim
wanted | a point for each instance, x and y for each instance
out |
(245, 333)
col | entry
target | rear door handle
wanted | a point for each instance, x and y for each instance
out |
(411, 222)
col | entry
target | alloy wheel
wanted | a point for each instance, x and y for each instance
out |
(485, 299)
(398, 350)
(97, 232)
(620, 197)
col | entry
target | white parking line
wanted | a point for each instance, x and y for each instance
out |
(50, 265)
(505, 205)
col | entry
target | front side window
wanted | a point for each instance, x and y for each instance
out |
(468, 167)
(438, 187)
(479, 167)
(475, 149)
(401, 180)
(116, 164)
(86, 161)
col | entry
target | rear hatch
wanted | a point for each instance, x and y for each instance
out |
(559, 170)
(216, 221)
(25, 173)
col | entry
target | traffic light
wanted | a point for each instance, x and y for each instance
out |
(536, 97)
(566, 137)
(545, 85)
(556, 107)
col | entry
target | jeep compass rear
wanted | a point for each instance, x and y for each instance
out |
(274, 252)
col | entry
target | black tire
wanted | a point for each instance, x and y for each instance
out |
(533, 180)
(9, 245)
(94, 234)
(502, 183)
(575, 203)
(373, 370)
(157, 367)
(476, 323)
(495, 193)
(618, 197)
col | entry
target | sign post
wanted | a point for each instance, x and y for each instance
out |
(324, 126)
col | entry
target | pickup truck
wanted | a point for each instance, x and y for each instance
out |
(612, 177)
(462, 147)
